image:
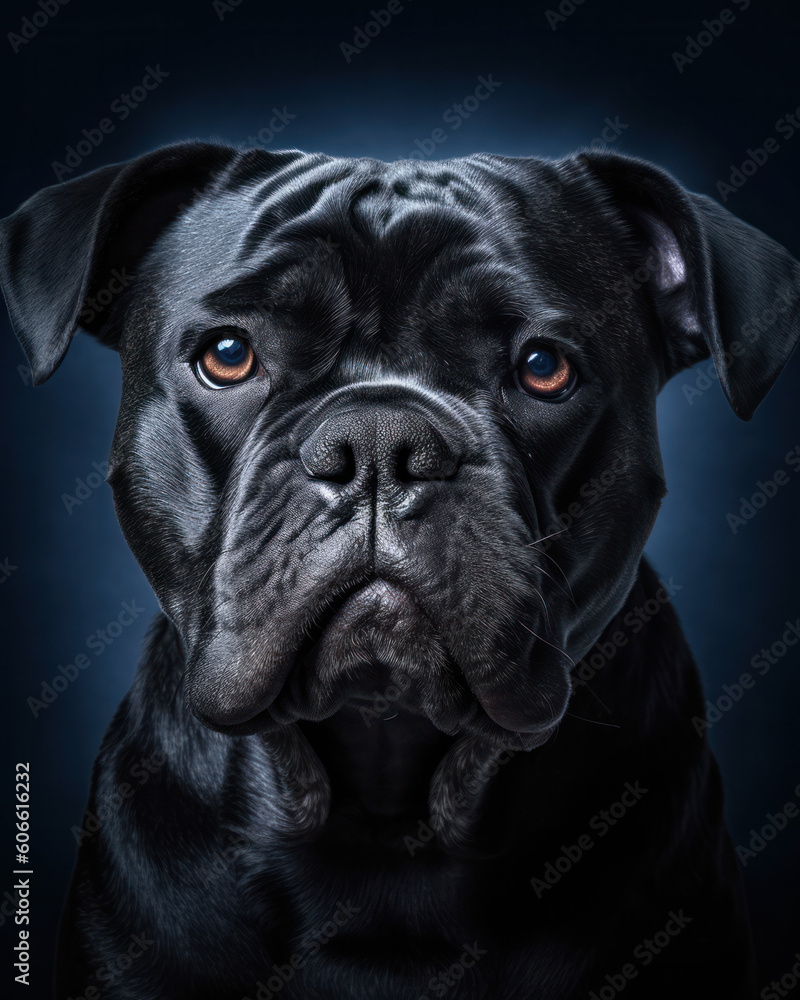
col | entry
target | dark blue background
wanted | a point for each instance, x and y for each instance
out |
(225, 76)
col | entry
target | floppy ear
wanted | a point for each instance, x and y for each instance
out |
(67, 242)
(718, 285)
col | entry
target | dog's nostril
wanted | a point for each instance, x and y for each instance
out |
(426, 460)
(334, 462)
(402, 471)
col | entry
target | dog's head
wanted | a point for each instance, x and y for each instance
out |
(392, 423)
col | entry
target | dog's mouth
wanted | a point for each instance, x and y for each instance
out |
(338, 621)
(375, 645)
(362, 683)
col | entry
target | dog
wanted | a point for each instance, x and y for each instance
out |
(387, 454)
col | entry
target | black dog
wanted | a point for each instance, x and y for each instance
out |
(387, 453)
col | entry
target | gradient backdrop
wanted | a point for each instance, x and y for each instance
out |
(228, 68)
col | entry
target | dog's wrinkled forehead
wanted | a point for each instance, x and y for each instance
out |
(398, 266)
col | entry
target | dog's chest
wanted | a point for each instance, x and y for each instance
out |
(409, 927)
(406, 923)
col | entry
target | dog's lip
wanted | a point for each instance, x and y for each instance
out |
(517, 705)
(495, 718)
(372, 679)
(338, 608)
(475, 721)
(280, 708)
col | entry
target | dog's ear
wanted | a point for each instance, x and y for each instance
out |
(718, 285)
(84, 237)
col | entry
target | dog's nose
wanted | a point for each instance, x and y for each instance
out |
(392, 444)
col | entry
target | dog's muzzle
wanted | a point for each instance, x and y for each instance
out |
(375, 543)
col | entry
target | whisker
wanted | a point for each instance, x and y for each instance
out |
(544, 538)
(594, 722)
(557, 586)
(552, 645)
(560, 570)
(598, 699)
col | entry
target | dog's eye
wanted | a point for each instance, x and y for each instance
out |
(544, 372)
(226, 360)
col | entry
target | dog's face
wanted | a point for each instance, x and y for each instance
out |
(395, 424)
(354, 414)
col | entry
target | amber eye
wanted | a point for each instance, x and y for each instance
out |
(544, 372)
(226, 361)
